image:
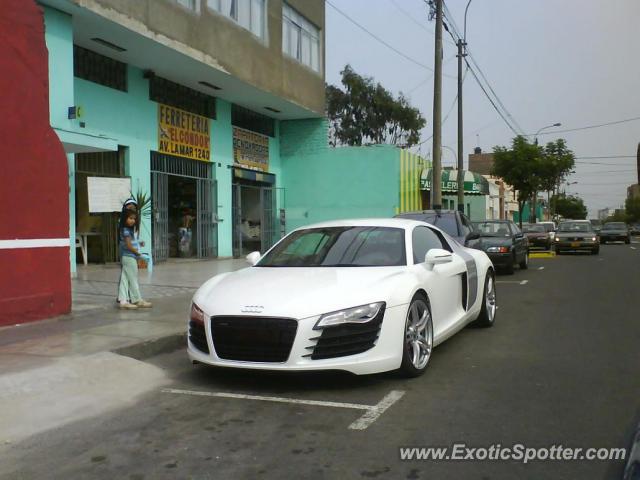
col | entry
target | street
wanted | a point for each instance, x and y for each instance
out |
(559, 367)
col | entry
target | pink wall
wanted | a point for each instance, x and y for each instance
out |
(34, 187)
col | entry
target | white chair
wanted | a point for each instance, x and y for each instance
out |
(83, 248)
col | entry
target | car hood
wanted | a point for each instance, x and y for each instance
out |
(575, 234)
(536, 234)
(296, 292)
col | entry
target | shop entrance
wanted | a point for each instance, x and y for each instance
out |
(184, 196)
(98, 230)
(255, 227)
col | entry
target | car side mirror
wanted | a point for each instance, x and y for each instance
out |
(253, 258)
(473, 236)
(436, 256)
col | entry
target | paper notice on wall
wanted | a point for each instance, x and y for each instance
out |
(107, 194)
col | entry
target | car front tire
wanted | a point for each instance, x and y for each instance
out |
(628, 240)
(595, 251)
(417, 341)
(489, 307)
(524, 264)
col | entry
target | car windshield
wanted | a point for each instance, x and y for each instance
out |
(493, 229)
(548, 227)
(339, 247)
(445, 222)
(574, 227)
(614, 226)
(533, 229)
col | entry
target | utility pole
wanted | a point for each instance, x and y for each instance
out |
(461, 55)
(436, 184)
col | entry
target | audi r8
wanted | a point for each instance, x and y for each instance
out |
(364, 296)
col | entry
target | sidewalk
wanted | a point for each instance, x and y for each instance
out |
(57, 371)
(96, 325)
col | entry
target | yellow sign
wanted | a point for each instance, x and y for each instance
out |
(183, 133)
(250, 149)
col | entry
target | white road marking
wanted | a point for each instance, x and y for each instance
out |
(518, 282)
(632, 248)
(540, 268)
(373, 412)
(524, 282)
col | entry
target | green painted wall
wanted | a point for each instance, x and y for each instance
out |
(339, 183)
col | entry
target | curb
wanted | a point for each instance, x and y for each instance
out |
(542, 254)
(153, 347)
(632, 470)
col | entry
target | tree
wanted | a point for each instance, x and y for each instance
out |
(519, 166)
(366, 113)
(632, 209)
(556, 163)
(569, 206)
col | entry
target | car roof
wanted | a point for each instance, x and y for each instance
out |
(427, 212)
(367, 222)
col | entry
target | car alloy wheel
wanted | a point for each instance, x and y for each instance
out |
(489, 302)
(418, 337)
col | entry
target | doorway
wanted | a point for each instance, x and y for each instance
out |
(184, 197)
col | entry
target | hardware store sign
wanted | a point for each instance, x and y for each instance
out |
(183, 133)
(250, 149)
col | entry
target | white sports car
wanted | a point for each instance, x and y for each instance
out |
(363, 296)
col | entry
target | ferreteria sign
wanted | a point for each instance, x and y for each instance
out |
(250, 149)
(183, 133)
(474, 183)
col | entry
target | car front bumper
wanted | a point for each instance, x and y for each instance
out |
(614, 238)
(385, 355)
(539, 242)
(576, 245)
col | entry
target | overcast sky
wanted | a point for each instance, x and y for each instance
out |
(571, 61)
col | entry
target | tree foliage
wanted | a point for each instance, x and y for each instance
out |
(519, 166)
(364, 112)
(556, 163)
(632, 209)
(569, 206)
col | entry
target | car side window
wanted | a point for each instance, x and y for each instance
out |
(423, 239)
(514, 228)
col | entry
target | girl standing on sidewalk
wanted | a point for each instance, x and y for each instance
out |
(129, 253)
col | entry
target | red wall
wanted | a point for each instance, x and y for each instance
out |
(34, 187)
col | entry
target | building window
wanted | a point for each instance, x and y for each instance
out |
(249, 14)
(97, 68)
(300, 38)
(190, 4)
(167, 92)
(250, 120)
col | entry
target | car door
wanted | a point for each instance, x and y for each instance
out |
(444, 283)
(520, 243)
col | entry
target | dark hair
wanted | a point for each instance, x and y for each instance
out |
(126, 213)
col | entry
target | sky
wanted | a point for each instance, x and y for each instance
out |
(575, 62)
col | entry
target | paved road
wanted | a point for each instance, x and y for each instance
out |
(560, 367)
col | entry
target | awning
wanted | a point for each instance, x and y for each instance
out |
(78, 142)
(254, 175)
(474, 183)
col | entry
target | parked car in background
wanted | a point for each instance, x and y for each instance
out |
(576, 235)
(550, 228)
(453, 222)
(596, 224)
(634, 229)
(504, 243)
(537, 235)
(615, 232)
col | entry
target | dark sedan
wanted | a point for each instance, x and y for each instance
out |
(452, 222)
(504, 243)
(614, 232)
(576, 235)
(537, 235)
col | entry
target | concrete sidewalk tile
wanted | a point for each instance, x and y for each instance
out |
(141, 329)
(67, 344)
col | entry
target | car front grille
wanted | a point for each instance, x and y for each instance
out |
(253, 339)
(197, 336)
(347, 339)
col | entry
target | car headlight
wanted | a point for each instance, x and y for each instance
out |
(557, 239)
(361, 314)
(594, 239)
(196, 315)
(498, 249)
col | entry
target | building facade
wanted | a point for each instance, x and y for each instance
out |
(181, 101)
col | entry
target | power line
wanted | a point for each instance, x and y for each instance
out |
(610, 156)
(374, 36)
(617, 122)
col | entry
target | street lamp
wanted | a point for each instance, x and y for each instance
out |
(535, 137)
